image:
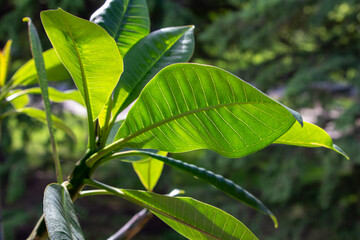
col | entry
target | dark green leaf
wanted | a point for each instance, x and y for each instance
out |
(127, 21)
(36, 50)
(218, 181)
(152, 53)
(60, 216)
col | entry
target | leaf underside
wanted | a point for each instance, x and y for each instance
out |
(88, 52)
(191, 218)
(309, 135)
(190, 106)
(60, 216)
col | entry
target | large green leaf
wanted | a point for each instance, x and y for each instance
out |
(26, 75)
(5, 62)
(146, 58)
(88, 52)
(149, 171)
(54, 95)
(127, 21)
(309, 135)
(40, 115)
(191, 218)
(36, 50)
(60, 216)
(216, 180)
(189, 106)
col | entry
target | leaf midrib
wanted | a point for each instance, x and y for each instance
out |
(118, 27)
(66, 216)
(159, 211)
(82, 70)
(164, 121)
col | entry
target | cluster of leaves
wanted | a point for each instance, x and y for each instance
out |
(180, 107)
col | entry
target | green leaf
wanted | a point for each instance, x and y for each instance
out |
(190, 106)
(191, 218)
(146, 58)
(54, 95)
(5, 62)
(36, 51)
(127, 21)
(88, 52)
(40, 116)
(18, 99)
(26, 75)
(60, 216)
(149, 171)
(309, 135)
(225, 185)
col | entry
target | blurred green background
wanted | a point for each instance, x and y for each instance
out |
(304, 53)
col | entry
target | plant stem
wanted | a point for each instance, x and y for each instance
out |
(133, 226)
(76, 179)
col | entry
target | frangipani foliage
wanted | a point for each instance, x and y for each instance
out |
(115, 61)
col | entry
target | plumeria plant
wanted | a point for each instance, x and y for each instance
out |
(171, 106)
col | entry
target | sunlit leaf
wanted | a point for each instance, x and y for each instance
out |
(88, 52)
(309, 135)
(17, 98)
(127, 21)
(190, 106)
(54, 95)
(40, 115)
(149, 171)
(5, 62)
(146, 58)
(60, 216)
(26, 75)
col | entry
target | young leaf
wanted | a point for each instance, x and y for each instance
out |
(149, 171)
(4, 62)
(146, 58)
(60, 216)
(225, 185)
(90, 55)
(54, 95)
(26, 75)
(127, 21)
(36, 51)
(190, 106)
(309, 135)
(40, 116)
(191, 218)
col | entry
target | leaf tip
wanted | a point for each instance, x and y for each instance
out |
(275, 221)
(26, 19)
(340, 151)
